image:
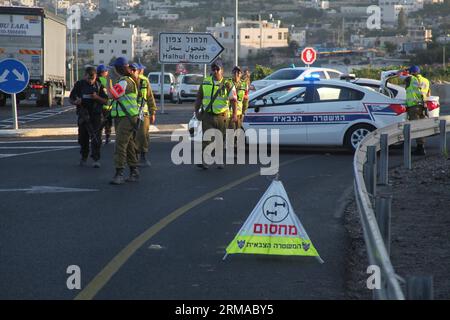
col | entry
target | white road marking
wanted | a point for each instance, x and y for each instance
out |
(47, 189)
(40, 151)
(36, 116)
(44, 147)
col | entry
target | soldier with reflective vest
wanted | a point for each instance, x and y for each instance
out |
(148, 107)
(102, 76)
(242, 97)
(417, 90)
(215, 98)
(125, 111)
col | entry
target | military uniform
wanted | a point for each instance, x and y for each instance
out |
(107, 121)
(242, 103)
(215, 111)
(149, 108)
(125, 121)
(417, 90)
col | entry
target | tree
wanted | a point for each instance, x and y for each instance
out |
(402, 21)
(260, 72)
(390, 47)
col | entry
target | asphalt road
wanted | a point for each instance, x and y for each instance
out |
(43, 233)
(158, 239)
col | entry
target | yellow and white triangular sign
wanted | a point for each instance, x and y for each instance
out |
(273, 228)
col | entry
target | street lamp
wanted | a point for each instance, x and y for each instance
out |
(236, 45)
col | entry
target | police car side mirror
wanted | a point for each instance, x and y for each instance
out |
(256, 109)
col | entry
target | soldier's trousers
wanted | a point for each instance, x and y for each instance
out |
(143, 136)
(416, 113)
(125, 149)
(214, 121)
(108, 123)
(87, 129)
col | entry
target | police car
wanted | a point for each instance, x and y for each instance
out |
(294, 73)
(321, 112)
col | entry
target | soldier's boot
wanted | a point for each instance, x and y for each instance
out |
(420, 150)
(134, 175)
(83, 162)
(107, 138)
(118, 177)
(143, 161)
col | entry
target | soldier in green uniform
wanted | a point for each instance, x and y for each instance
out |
(125, 113)
(147, 101)
(212, 105)
(417, 90)
(102, 77)
(242, 97)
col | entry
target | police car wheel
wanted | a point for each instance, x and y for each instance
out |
(356, 134)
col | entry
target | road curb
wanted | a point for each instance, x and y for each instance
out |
(70, 131)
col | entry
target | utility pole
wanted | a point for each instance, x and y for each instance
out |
(71, 59)
(76, 54)
(260, 31)
(236, 31)
(443, 56)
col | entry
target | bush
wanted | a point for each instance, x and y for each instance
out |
(260, 72)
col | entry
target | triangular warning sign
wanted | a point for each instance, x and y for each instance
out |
(273, 228)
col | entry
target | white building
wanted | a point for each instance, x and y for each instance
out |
(63, 5)
(25, 3)
(253, 36)
(354, 11)
(121, 42)
(298, 36)
(315, 4)
(390, 9)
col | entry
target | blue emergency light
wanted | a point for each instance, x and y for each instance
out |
(313, 77)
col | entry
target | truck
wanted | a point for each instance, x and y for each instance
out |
(37, 38)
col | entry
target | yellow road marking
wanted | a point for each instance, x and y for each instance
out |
(102, 278)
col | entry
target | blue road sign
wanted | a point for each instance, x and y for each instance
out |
(14, 76)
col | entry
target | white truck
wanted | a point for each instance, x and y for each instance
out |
(37, 38)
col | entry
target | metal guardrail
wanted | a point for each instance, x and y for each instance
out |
(374, 205)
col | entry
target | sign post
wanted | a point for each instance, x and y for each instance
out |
(14, 77)
(309, 56)
(161, 83)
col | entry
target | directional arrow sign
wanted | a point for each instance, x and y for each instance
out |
(190, 48)
(46, 189)
(14, 76)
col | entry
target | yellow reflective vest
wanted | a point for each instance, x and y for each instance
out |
(221, 103)
(413, 93)
(129, 100)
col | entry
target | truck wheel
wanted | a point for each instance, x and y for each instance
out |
(60, 101)
(48, 99)
(356, 134)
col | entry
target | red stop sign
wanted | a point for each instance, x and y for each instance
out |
(309, 55)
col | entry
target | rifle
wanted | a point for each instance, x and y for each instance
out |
(141, 113)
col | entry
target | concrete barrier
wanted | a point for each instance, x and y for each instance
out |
(442, 91)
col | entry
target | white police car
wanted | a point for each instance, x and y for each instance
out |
(295, 73)
(321, 112)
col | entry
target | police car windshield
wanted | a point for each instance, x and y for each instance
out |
(193, 80)
(285, 74)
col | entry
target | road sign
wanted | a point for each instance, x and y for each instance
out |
(273, 228)
(14, 76)
(189, 47)
(309, 55)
